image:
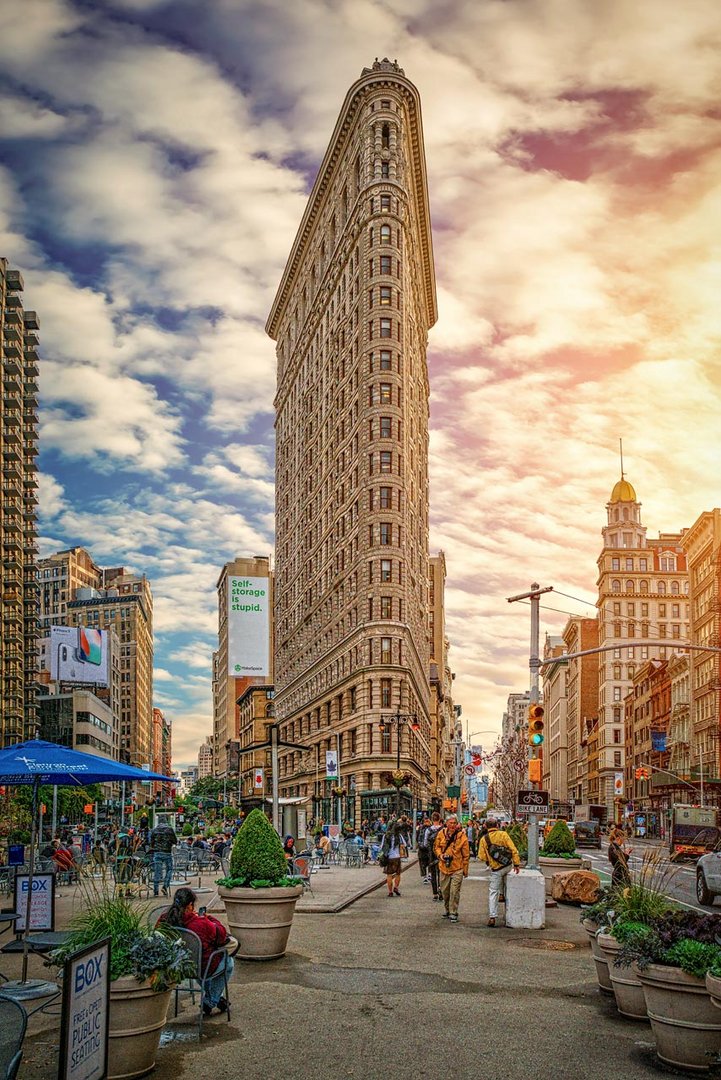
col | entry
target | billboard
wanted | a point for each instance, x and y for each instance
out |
(79, 654)
(248, 626)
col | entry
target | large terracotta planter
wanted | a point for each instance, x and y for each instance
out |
(627, 988)
(137, 1017)
(685, 1024)
(599, 957)
(548, 865)
(260, 919)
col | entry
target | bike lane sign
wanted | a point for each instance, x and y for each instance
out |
(532, 802)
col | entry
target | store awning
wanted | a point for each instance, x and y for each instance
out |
(296, 801)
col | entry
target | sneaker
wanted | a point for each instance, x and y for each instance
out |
(446, 915)
(396, 892)
(166, 892)
(491, 922)
(453, 918)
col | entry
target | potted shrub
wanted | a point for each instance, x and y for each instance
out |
(559, 854)
(145, 966)
(593, 917)
(672, 958)
(520, 839)
(259, 897)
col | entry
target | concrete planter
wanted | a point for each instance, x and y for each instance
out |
(548, 865)
(599, 958)
(137, 1017)
(627, 988)
(685, 1024)
(260, 919)
(713, 989)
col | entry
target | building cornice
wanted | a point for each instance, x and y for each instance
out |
(344, 126)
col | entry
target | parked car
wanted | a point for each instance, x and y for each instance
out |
(588, 834)
(708, 877)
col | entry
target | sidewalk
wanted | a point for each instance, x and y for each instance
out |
(336, 887)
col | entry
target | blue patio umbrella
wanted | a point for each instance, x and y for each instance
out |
(38, 762)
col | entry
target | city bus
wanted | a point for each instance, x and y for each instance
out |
(693, 831)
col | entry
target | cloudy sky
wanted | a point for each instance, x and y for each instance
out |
(155, 160)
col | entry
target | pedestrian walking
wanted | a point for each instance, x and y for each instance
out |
(394, 840)
(500, 853)
(618, 855)
(472, 834)
(451, 850)
(162, 842)
(424, 853)
(433, 858)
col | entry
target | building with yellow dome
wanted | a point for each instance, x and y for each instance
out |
(642, 596)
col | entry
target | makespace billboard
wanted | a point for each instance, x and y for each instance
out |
(248, 626)
(79, 654)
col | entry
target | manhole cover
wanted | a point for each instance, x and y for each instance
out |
(549, 944)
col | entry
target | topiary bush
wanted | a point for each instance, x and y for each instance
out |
(518, 835)
(559, 841)
(257, 854)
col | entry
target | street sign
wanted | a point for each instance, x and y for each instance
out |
(532, 802)
(453, 791)
(469, 770)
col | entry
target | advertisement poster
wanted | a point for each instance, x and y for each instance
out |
(86, 1003)
(258, 779)
(331, 765)
(248, 626)
(42, 905)
(79, 654)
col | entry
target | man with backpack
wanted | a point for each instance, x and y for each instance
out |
(499, 852)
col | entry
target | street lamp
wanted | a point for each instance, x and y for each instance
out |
(399, 718)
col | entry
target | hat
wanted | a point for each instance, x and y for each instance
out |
(491, 821)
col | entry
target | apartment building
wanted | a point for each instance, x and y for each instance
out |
(18, 518)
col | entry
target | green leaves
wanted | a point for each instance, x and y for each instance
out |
(257, 853)
(559, 841)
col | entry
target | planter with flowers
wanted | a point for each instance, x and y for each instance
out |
(673, 958)
(145, 966)
(258, 895)
(559, 854)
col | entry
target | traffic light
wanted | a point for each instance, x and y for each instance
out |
(642, 774)
(534, 771)
(535, 725)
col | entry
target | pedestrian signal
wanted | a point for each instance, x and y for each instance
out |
(534, 770)
(535, 725)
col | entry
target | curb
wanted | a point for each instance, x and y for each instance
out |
(333, 909)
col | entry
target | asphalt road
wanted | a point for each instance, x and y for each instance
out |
(681, 886)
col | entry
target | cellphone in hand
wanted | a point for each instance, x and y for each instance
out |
(202, 910)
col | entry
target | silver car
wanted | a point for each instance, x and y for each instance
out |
(708, 877)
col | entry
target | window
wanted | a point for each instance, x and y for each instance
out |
(644, 610)
(386, 693)
(386, 326)
(386, 266)
(662, 610)
(385, 569)
(662, 588)
(386, 424)
(616, 607)
(385, 532)
(386, 604)
(385, 650)
(629, 564)
(629, 586)
(630, 609)
(385, 498)
(643, 565)
(385, 234)
(615, 585)
(386, 741)
(615, 564)
(386, 461)
(668, 563)
(385, 136)
(674, 588)
(643, 586)
(617, 758)
(617, 735)
(385, 202)
(385, 170)
(617, 693)
(385, 295)
(385, 392)
(385, 360)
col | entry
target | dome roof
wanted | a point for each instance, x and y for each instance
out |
(623, 492)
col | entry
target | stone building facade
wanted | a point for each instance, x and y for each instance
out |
(554, 751)
(581, 704)
(642, 595)
(351, 319)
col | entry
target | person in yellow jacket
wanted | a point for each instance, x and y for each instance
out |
(500, 869)
(453, 856)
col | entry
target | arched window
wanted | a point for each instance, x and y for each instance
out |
(385, 234)
(662, 588)
(615, 585)
(674, 588)
(629, 586)
(643, 586)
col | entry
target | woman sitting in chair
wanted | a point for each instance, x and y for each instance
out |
(213, 935)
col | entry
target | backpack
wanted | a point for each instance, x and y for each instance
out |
(499, 853)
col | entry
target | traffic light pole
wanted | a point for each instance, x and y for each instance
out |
(534, 665)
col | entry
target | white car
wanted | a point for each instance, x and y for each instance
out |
(708, 877)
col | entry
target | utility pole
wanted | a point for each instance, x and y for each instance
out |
(534, 664)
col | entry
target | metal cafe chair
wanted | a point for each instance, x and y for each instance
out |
(195, 983)
(13, 1024)
(301, 867)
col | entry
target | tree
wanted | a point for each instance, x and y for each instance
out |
(206, 788)
(509, 764)
(71, 800)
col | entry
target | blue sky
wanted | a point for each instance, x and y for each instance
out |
(155, 159)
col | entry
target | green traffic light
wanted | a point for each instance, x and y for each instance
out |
(536, 740)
